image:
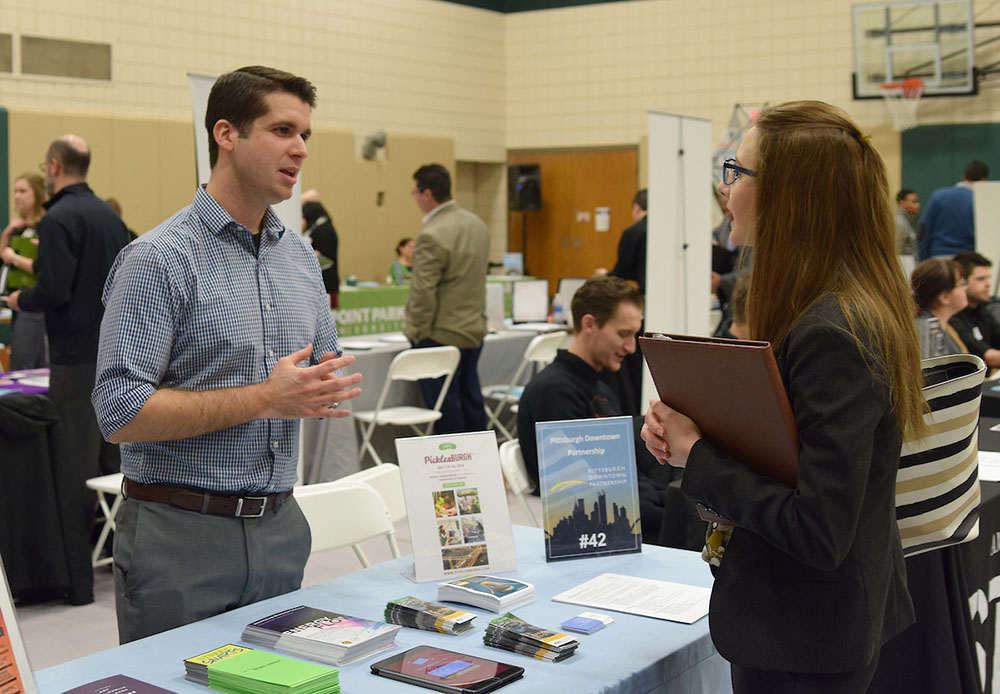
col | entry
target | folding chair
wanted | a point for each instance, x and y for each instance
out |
(541, 350)
(516, 474)
(342, 514)
(409, 365)
(386, 481)
(105, 484)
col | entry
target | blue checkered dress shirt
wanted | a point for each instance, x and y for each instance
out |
(192, 305)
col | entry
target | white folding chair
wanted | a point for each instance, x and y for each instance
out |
(514, 471)
(105, 485)
(541, 350)
(342, 514)
(409, 365)
(386, 481)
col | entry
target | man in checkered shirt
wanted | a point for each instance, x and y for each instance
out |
(217, 338)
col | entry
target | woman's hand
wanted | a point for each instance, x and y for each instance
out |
(15, 226)
(668, 434)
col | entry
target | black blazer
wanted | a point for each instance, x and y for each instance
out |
(814, 581)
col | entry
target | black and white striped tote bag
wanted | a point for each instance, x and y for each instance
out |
(937, 486)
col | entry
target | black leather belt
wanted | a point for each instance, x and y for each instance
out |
(201, 501)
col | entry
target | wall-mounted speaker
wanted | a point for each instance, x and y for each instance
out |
(524, 187)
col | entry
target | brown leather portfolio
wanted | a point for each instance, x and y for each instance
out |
(733, 392)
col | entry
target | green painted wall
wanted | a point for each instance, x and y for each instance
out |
(933, 156)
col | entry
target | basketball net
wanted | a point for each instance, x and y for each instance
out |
(901, 100)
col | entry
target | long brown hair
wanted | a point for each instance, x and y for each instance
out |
(824, 225)
(37, 185)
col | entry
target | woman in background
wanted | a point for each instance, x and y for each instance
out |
(939, 292)
(399, 273)
(811, 582)
(18, 250)
(318, 228)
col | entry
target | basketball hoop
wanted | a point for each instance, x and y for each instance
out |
(901, 100)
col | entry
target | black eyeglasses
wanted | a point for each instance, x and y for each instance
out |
(731, 171)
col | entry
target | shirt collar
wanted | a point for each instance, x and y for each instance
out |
(427, 217)
(577, 364)
(217, 220)
(71, 189)
(964, 184)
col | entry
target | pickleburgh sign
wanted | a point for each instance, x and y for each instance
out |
(365, 311)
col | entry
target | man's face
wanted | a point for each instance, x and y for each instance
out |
(424, 199)
(980, 280)
(268, 160)
(610, 343)
(910, 204)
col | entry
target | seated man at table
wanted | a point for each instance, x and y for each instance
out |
(975, 324)
(607, 314)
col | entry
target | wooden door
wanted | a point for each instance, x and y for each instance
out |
(561, 240)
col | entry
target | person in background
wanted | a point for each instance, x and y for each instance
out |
(907, 211)
(811, 581)
(607, 315)
(949, 225)
(631, 262)
(318, 228)
(27, 339)
(939, 293)
(631, 265)
(218, 338)
(976, 326)
(740, 327)
(447, 302)
(399, 273)
(117, 207)
(78, 239)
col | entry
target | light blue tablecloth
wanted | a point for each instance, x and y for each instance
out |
(633, 655)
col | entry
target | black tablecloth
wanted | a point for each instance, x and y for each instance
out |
(30, 538)
(952, 644)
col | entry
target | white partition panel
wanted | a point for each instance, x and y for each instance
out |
(678, 250)
(290, 210)
(986, 195)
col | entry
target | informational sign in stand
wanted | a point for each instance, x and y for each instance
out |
(17, 677)
(456, 505)
(590, 494)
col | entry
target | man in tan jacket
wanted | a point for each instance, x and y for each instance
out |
(447, 304)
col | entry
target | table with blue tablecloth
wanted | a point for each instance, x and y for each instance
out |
(635, 654)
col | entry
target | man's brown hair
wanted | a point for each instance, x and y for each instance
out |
(238, 97)
(600, 296)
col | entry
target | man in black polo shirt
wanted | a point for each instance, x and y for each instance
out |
(607, 314)
(78, 239)
(977, 327)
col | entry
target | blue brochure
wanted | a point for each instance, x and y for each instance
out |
(590, 495)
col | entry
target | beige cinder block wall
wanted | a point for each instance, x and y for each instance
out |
(488, 82)
(430, 73)
(585, 76)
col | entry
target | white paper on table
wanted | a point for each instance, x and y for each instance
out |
(456, 505)
(648, 597)
(395, 338)
(989, 466)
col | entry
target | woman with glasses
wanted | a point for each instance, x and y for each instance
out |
(810, 582)
(18, 250)
(939, 293)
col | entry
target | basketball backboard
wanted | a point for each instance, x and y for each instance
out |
(894, 41)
